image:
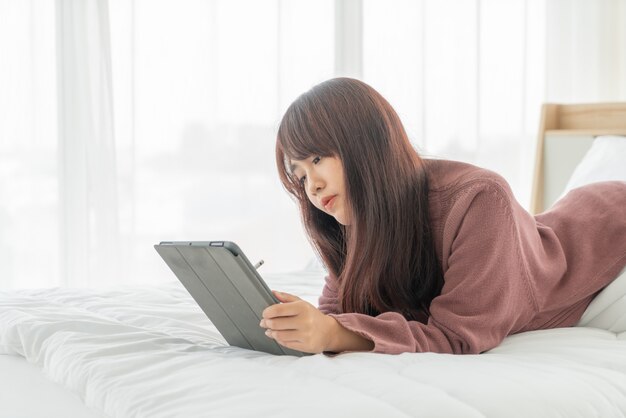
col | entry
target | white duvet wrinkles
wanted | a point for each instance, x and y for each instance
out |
(151, 352)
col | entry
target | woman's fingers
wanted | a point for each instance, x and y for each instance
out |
(295, 324)
(296, 340)
(284, 309)
(280, 323)
(306, 330)
(285, 297)
(284, 337)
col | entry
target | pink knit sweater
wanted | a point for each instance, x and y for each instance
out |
(505, 271)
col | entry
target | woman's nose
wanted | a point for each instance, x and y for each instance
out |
(315, 185)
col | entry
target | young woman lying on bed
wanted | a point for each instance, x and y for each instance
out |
(422, 254)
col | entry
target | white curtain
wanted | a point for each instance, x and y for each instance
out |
(88, 202)
(127, 122)
(586, 51)
(467, 78)
(199, 90)
(29, 187)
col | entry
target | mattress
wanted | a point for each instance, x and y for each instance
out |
(149, 351)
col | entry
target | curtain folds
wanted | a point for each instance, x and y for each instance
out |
(586, 51)
(89, 225)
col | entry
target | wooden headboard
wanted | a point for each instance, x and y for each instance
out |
(566, 132)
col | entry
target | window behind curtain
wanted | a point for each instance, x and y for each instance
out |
(465, 76)
(29, 188)
(200, 87)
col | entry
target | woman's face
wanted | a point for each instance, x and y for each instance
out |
(323, 181)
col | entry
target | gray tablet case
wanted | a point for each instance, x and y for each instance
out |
(227, 287)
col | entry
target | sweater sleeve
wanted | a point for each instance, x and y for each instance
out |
(328, 302)
(486, 291)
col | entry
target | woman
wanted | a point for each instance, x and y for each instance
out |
(428, 255)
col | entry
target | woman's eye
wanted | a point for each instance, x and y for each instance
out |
(303, 178)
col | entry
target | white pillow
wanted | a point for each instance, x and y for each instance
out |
(608, 309)
(605, 161)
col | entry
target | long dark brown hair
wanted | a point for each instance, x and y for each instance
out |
(385, 259)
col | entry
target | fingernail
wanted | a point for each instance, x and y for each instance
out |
(262, 323)
(268, 333)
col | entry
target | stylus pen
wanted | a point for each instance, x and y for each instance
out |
(259, 264)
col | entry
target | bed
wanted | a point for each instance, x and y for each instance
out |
(149, 351)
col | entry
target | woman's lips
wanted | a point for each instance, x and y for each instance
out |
(329, 204)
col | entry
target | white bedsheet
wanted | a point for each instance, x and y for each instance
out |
(26, 393)
(150, 352)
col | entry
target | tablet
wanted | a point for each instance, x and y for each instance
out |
(230, 291)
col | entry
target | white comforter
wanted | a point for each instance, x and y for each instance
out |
(151, 352)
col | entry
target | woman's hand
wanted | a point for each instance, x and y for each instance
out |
(297, 324)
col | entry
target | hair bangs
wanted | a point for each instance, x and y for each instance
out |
(301, 133)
